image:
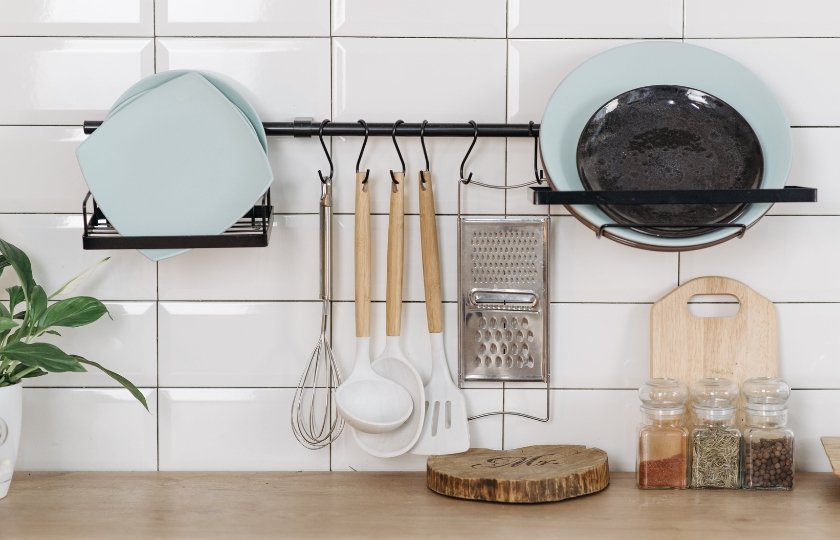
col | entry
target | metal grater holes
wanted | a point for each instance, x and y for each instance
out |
(506, 257)
(503, 347)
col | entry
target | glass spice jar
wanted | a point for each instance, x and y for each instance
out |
(661, 462)
(715, 441)
(768, 443)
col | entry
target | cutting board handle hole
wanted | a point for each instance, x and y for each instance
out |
(714, 305)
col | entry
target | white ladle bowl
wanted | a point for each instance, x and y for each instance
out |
(369, 402)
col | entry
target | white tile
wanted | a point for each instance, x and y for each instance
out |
(520, 169)
(588, 269)
(795, 70)
(231, 430)
(282, 78)
(287, 269)
(414, 337)
(809, 344)
(295, 162)
(536, 67)
(242, 18)
(582, 358)
(39, 164)
(126, 344)
(486, 162)
(54, 245)
(432, 18)
(76, 18)
(814, 165)
(344, 257)
(252, 343)
(78, 429)
(452, 80)
(762, 18)
(786, 259)
(484, 433)
(605, 419)
(594, 19)
(813, 414)
(68, 80)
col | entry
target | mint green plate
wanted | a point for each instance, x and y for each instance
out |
(613, 72)
(180, 160)
(225, 85)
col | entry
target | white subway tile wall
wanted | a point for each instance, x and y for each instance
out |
(217, 338)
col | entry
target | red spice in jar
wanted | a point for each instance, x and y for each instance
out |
(663, 473)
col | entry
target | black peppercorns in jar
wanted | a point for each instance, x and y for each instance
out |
(768, 443)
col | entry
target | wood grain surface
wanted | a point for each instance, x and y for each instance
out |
(324, 505)
(394, 272)
(362, 257)
(688, 348)
(832, 450)
(431, 254)
(533, 474)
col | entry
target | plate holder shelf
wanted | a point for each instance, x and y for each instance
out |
(251, 230)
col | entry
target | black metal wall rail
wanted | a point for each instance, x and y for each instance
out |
(254, 228)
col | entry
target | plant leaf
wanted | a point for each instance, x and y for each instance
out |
(16, 296)
(41, 355)
(128, 385)
(7, 323)
(72, 312)
(4, 262)
(53, 332)
(37, 305)
(5, 312)
(77, 277)
(21, 367)
(18, 260)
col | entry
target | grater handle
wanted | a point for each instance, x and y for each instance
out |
(431, 256)
(394, 280)
(362, 245)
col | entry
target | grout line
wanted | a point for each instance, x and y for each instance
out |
(453, 38)
(683, 21)
(332, 104)
(157, 362)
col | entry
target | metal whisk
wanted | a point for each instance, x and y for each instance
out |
(312, 408)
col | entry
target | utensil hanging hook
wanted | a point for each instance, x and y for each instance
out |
(397, 146)
(362, 151)
(538, 173)
(469, 150)
(328, 178)
(423, 142)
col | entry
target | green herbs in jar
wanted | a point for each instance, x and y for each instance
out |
(715, 457)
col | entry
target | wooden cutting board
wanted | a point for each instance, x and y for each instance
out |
(688, 348)
(832, 450)
(533, 474)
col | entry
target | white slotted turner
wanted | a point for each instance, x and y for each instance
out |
(445, 429)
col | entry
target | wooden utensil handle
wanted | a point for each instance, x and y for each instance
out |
(431, 256)
(394, 279)
(362, 245)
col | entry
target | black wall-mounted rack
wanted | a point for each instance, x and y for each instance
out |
(254, 228)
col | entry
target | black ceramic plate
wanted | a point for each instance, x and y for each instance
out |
(669, 137)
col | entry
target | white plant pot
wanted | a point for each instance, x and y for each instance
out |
(11, 403)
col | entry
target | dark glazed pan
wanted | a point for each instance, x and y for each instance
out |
(669, 137)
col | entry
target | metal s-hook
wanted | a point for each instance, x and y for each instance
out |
(423, 142)
(362, 151)
(538, 173)
(469, 150)
(326, 179)
(397, 146)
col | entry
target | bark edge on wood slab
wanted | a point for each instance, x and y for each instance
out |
(532, 474)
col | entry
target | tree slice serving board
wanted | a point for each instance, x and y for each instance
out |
(688, 347)
(532, 474)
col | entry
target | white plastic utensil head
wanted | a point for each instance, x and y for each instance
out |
(370, 402)
(402, 439)
(445, 428)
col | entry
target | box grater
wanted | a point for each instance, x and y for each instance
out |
(503, 282)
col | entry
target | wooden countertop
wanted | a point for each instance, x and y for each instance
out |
(393, 505)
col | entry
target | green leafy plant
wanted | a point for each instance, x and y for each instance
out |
(21, 356)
